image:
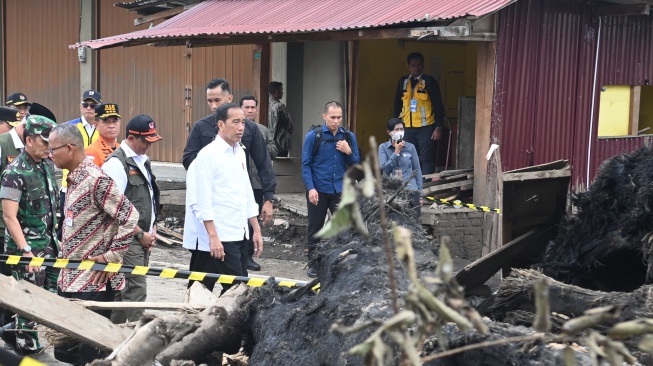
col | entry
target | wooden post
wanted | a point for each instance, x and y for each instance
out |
(492, 224)
(486, 55)
(264, 82)
(352, 92)
(635, 96)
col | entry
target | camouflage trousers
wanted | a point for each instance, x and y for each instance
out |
(27, 339)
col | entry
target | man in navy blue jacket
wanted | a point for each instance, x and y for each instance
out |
(323, 170)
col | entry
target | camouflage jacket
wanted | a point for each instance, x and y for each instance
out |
(32, 185)
(280, 124)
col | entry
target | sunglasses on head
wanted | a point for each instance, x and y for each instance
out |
(89, 104)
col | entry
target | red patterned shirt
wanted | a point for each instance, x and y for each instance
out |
(99, 219)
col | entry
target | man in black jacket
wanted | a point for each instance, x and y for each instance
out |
(204, 131)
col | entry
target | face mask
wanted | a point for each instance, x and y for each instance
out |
(398, 135)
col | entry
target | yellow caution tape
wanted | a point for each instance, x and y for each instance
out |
(145, 271)
(458, 204)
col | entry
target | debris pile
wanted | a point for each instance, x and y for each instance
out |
(607, 244)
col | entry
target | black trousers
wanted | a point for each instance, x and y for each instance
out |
(258, 197)
(62, 201)
(317, 215)
(421, 138)
(81, 353)
(234, 264)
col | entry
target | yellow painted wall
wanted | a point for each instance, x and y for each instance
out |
(383, 62)
(614, 111)
(646, 109)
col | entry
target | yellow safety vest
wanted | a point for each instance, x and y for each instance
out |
(87, 141)
(423, 113)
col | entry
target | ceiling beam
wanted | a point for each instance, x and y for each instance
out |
(162, 15)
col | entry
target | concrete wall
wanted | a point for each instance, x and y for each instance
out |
(464, 226)
(316, 77)
(279, 58)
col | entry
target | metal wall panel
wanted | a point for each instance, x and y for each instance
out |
(152, 80)
(232, 63)
(144, 80)
(546, 51)
(37, 61)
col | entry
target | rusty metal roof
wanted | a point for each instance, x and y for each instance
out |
(241, 17)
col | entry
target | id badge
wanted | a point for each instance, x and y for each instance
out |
(69, 218)
(413, 105)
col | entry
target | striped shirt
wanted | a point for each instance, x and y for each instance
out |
(99, 219)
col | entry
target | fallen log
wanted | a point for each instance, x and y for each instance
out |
(150, 338)
(222, 329)
(516, 292)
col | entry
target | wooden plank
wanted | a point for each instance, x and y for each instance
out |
(447, 173)
(168, 240)
(122, 305)
(511, 177)
(169, 232)
(444, 187)
(554, 165)
(466, 127)
(481, 270)
(264, 82)
(492, 224)
(165, 14)
(486, 60)
(60, 314)
(635, 99)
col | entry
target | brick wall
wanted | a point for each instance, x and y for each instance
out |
(464, 226)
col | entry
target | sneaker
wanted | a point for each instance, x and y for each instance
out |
(253, 266)
(312, 271)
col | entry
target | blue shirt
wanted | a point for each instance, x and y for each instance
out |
(407, 161)
(325, 170)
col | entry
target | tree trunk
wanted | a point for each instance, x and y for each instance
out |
(222, 328)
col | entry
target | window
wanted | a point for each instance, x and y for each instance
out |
(626, 110)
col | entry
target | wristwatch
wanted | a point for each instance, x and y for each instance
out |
(26, 249)
(139, 235)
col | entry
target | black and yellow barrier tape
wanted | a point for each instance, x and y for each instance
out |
(145, 271)
(468, 205)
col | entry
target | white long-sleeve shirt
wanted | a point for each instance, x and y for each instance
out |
(218, 189)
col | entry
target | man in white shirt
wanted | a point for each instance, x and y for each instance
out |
(220, 203)
(130, 168)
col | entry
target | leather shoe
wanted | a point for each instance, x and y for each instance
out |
(312, 271)
(253, 266)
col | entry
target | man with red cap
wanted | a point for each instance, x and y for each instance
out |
(131, 170)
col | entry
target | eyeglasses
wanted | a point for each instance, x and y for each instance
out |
(52, 149)
(88, 104)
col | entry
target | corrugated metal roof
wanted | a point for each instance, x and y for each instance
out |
(238, 17)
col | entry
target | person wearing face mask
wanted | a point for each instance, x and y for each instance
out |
(399, 158)
(130, 168)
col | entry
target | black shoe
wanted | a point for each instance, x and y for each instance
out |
(312, 271)
(253, 266)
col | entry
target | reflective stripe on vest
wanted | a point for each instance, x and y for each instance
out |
(423, 116)
(87, 141)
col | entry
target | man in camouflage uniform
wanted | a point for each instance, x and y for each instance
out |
(8, 151)
(29, 195)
